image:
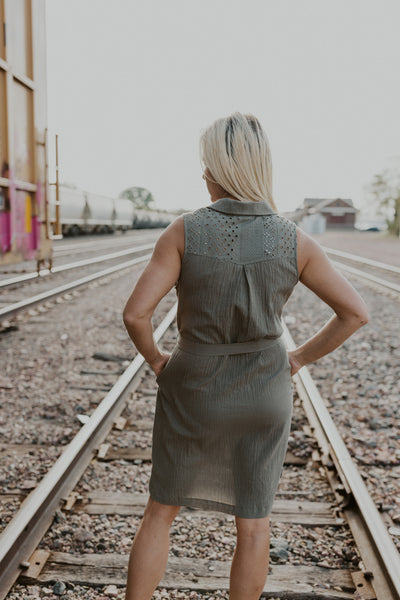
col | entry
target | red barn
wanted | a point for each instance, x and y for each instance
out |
(338, 213)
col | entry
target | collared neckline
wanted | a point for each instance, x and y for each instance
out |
(230, 206)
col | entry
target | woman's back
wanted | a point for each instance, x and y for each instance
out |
(239, 267)
(225, 392)
(224, 399)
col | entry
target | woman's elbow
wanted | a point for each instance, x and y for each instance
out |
(356, 314)
(363, 317)
(126, 317)
(359, 317)
(359, 312)
(129, 317)
(363, 313)
(132, 316)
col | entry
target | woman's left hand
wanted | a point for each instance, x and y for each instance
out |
(159, 364)
(295, 364)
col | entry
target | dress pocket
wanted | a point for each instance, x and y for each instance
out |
(166, 367)
(283, 354)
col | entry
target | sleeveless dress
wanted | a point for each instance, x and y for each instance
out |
(225, 398)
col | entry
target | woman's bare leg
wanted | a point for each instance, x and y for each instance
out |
(149, 554)
(250, 561)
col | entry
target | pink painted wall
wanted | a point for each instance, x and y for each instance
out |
(23, 225)
(5, 232)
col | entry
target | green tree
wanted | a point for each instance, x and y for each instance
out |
(141, 197)
(385, 194)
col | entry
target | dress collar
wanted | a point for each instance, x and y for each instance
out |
(230, 206)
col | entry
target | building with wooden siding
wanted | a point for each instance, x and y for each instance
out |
(338, 213)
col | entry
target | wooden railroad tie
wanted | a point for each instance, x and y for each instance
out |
(303, 512)
(106, 452)
(289, 582)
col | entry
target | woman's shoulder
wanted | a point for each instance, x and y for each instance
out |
(308, 249)
(281, 219)
(174, 234)
(176, 230)
(185, 227)
(288, 235)
(306, 243)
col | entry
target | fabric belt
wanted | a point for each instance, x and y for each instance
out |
(221, 349)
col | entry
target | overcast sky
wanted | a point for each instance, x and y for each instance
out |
(131, 84)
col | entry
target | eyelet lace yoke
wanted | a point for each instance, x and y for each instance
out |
(239, 238)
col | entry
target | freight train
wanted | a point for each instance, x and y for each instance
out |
(30, 218)
(24, 227)
(85, 212)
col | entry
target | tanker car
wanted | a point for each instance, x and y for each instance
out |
(85, 212)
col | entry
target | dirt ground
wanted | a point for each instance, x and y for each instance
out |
(376, 245)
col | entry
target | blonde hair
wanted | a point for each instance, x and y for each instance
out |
(236, 151)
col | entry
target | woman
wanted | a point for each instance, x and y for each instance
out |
(224, 400)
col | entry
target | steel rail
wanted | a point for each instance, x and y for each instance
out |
(394, 287)
(74, 245)
(88, 245)
(61, 248)
(28, 526)
(386, 552)
(362, 260)
(74, 265)
(13, 309)
(110, 241)
(78, 247)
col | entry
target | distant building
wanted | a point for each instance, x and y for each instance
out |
(338, 213)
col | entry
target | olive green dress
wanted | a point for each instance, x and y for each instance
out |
(224, 399)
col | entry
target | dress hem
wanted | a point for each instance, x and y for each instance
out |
(202, 503)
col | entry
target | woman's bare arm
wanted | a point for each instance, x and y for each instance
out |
(318, 273)
(157, 279)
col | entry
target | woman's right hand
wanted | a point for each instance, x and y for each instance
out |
(319, 274)
(159, 364)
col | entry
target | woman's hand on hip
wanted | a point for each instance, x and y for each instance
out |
(295, 364)
(159, 364)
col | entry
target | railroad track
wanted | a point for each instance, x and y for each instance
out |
(371, 270)
(74, 246)
(13, 308)
(34, 275)
(348, 506)
(365, 263)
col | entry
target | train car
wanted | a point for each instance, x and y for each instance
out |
(144, 219)
(33, 213)
(160, 218)
(24, 225)
(81, 211)
(100, 213)
(73, 207)
(84, 212)
(123, 214)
